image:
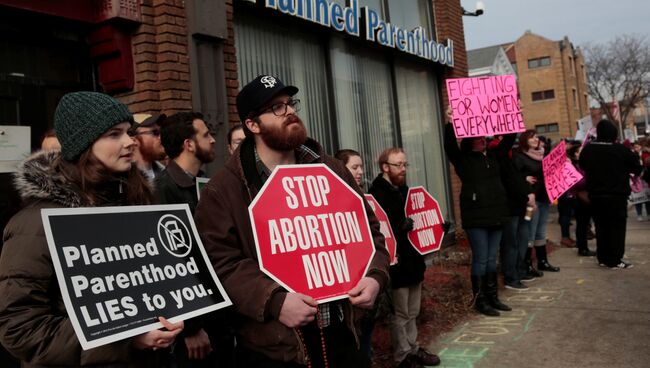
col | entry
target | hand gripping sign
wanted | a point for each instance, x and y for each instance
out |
(384, 227)
(427, 233)
(311, 232)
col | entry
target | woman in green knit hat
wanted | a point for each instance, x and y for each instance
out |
(94, 168)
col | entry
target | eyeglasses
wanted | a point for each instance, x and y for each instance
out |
(280, 108)
(153, 133)
(401, 165)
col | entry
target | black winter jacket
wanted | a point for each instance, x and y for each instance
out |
(517, 189)
(528, 166)
(607, 168)
(175, 186)
(410, 266)
(483, 199)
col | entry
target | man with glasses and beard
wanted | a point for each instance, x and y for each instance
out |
(390, 190)
(148, 148)
(274, 327)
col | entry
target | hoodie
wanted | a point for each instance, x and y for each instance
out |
(608, 165)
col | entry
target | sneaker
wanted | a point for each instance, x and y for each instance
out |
(517, 285)
(622, 265)
(528, 277)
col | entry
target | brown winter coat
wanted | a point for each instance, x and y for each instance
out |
(223, 222)
(34, 325)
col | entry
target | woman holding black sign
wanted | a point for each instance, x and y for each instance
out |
(94, 168)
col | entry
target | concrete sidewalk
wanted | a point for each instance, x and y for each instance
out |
(582, 316)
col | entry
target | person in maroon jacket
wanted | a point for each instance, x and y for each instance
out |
(274, 327)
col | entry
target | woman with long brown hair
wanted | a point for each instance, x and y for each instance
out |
(94, 168)
(528, 161)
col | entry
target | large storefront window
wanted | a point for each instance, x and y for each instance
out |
(409, 14)
(364, 103)
(298, 59)
(354, 96)
(419, 112)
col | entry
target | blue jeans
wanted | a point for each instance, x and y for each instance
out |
(484, 242)
(514, 242)
(639, 209)
(537, 225)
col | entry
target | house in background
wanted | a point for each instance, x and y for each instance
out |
(551, 79)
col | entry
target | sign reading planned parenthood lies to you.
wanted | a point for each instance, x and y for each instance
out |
(485, 106)
(311, 232)
(559, 174)
(120, 268)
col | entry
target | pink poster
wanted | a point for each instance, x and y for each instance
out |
(559, 174)
(485, 106)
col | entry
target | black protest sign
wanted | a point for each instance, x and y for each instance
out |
(120, 268)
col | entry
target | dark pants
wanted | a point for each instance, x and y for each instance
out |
(565, 211)
(341, 350)
(484, 242)
(514, 242)
(610, 216)
(583, 223)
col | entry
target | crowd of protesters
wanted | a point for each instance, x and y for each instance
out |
(103, 155)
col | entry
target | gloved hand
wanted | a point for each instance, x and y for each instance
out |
(407, 225)
(446, 226)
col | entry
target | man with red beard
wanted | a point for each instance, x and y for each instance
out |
(148, 148)
(274, 327)
(390, 190)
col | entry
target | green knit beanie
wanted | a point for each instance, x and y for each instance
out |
(82, 117)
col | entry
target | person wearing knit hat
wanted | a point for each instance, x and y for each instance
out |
(94, 168)
(82, 117)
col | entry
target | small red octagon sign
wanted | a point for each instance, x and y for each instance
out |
(427, 233)
(311, 232)
(384, 227)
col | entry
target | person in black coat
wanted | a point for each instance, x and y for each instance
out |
(607, 166)
(484, 211)
(521, 198)
(528, 161)
(390, 190)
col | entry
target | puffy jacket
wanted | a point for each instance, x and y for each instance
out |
(223, 222)
(34, 325)
(410, 266)
(528, 166)
(483, 201)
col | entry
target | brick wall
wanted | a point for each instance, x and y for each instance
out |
(449, 24)
(162, 72)
(230, 64)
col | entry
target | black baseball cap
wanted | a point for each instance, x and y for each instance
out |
(259, 92)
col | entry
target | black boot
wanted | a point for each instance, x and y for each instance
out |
(480, 302)
(542, 260)
(492, 292)
(529, 262)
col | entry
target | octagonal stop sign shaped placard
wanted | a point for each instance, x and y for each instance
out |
(384, 227)
(311, 231)
(427, 233)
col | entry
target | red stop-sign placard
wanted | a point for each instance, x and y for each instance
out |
(311, 232)
(428, 231)
(384, 227)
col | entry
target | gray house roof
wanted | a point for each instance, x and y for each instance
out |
(482, 58)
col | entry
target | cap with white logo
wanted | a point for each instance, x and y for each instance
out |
(259, 92)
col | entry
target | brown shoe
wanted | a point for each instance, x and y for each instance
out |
(425, 358)
(568, 242)
(410, 362)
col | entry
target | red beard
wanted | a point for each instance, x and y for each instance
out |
(289, 136)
